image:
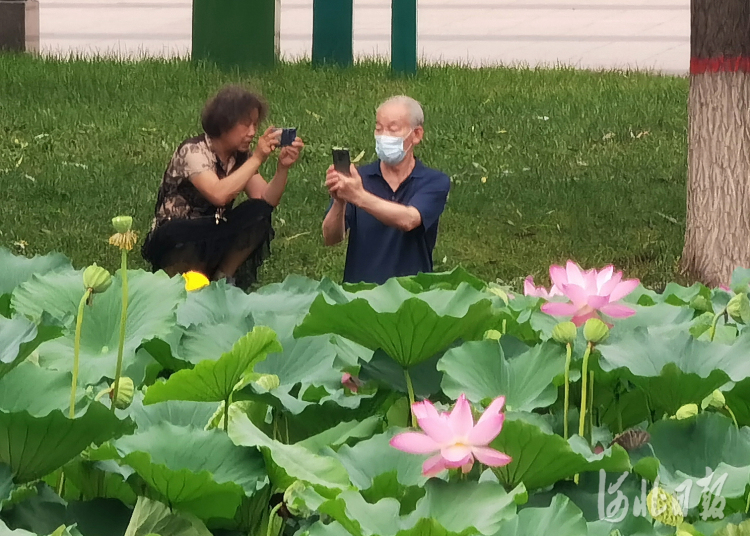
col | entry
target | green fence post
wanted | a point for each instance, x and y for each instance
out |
(332, 32)
(235, 33)
(404, 36)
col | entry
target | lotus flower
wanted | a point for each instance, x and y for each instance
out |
(529, 289)
(590, 292)
(454, 437)
(350, 382)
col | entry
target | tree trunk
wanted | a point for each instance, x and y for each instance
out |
(717, 237)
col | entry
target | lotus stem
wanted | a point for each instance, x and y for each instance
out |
(410, 389)
(567, 390)
(712, 333)
(747, 506)
(584, 391)
(226, 413)
(77, 351)
(733, 418)
(123, 322)
(591, 405)
(270, 518)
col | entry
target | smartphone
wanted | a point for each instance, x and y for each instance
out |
(288, 135)
(341, 160)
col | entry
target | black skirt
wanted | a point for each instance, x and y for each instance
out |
(202, 243)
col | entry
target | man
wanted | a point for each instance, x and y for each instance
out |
(390, 207)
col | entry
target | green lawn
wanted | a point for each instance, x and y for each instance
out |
(546, 164)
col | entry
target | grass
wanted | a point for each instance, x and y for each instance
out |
(546, 165)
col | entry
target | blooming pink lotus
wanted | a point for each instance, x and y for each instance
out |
(529, 289)
(454, 437)
(590, 292)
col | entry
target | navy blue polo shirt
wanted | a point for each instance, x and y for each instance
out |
(377, 252)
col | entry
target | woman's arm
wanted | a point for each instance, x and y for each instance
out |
(271, 192)
(220, 192)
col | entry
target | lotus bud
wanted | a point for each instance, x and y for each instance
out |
(125, 392)
(664, 507)
(595, 330)
(194, 280)
(700, 303)
(122, 224)
(96, 278)
(295, 505)
(686, 411)
(739, 308)
(269, 382)
(492, 335)
(565, 332)
(714, 400)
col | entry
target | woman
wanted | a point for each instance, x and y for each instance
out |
(195, 225)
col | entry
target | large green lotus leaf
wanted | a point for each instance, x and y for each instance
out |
(91, 481)
(199, 471)
(425, 376)
(674, 370)
(561, 518)
(374, 457)
(342, 433)
(409, 327)
(738, 400)
(291, 297)
(691, 449)
(287, 463)
(19, 337)
(540, 458)
(152, 301)
(209, 322)
(38, 435)
(214, 381)
(177, 412)
(154, 517)
(481, 371)
(446, 509)
(17, 269)
(422, 282)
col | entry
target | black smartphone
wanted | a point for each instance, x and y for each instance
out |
(288, 135)
(341, 160)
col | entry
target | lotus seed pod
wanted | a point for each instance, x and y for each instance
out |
(195, 280)
(739, 308)
(595, 330)
(565, 332)
(714, 400)
(686, 411)
(122, 224)
(664, 507)
(96, 278)
(492, 334)
(125, 392)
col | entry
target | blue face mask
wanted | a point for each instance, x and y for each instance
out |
(390, 149)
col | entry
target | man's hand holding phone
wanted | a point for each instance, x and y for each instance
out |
(344, 187)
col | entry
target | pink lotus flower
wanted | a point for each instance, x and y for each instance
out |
(539, 292)
(454, 437)
(590, 292)
(350, 382)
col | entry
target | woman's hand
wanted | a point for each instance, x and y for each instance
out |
(289, 155)
(267, 143)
